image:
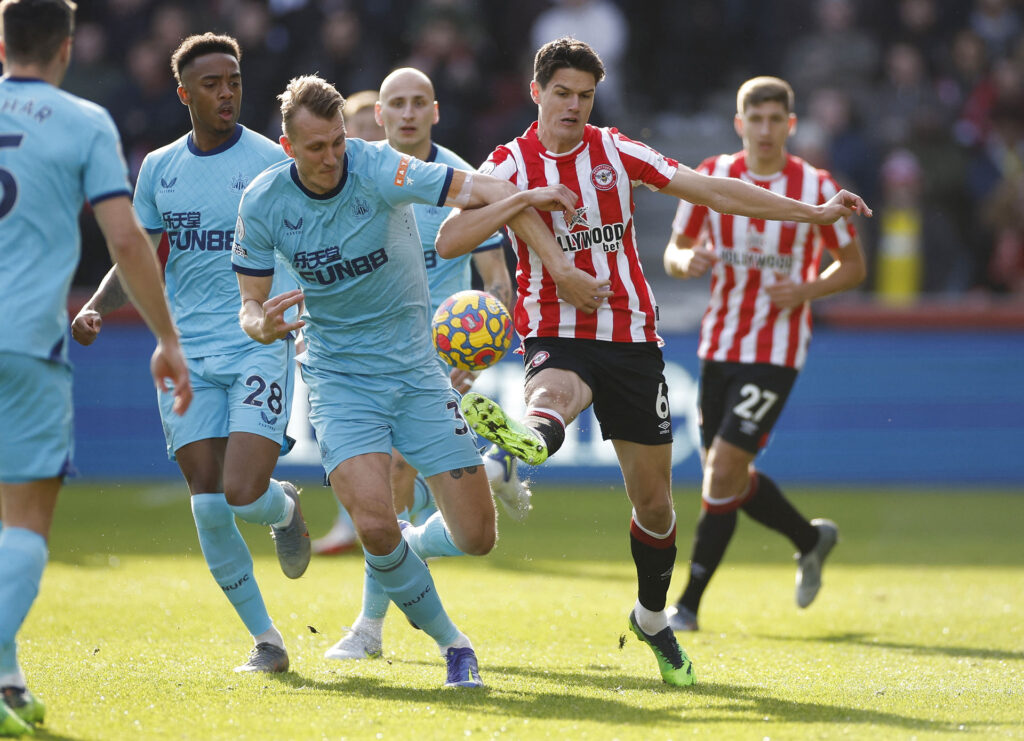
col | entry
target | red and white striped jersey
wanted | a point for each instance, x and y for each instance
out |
(600, 236)
(741, 324)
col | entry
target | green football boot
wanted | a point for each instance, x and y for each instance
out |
(490, 421)
(676, 668)
(11, 723)
(27, 706)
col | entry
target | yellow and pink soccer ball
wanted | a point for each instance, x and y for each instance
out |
(472, 330)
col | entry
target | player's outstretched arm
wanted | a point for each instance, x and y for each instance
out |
(685, 258)
(138, 269)
(110, 296)
(734, 196)
(263, 318)
(465, 228)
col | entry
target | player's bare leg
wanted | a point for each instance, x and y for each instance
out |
(363, 485)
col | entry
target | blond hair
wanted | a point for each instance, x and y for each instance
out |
(314, 94)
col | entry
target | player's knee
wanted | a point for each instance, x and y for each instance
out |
(240, 492)
(377, 535)
(479, 542)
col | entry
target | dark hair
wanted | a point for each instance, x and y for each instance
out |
(313, 93)
(199, 45)
(759, 90)
(33, 30)
(563, 53)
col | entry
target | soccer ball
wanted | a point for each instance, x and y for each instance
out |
(472, 330)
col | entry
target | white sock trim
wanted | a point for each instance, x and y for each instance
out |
(659, 536)
(650, 622)
(271, 635)
(460, 642)
(547, 412)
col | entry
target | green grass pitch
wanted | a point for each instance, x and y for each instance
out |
(918, 631)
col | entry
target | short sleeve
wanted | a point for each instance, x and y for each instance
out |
(402, 179)
(105, 174)
(144, 201)
(253, 250)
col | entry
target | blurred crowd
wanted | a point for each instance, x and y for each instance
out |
(918, 105)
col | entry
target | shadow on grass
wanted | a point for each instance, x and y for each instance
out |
(867, 640)
(42, 734)
(737, 703)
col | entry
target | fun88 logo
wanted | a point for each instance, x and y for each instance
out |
(184, 233)
(328, 266)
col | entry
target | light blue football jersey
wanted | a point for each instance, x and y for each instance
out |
(193, 196)
(445, 277)
(56, 151)
(356, 254)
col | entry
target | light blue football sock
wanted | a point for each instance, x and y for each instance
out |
(270, 508)
(23, 557)
(408, 583)
(229, 560)
(375, 599)
(422, 501)
(431, 539)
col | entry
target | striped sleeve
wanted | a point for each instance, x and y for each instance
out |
(842, 232)
(644, 164)
(690, 218)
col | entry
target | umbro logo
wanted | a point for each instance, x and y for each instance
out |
(268, 419)
(297, 226)
(168, 184)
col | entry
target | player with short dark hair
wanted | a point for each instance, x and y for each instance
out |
(604, 348)
(56, 151)
(374, 379)
(228, 444)
(755, 333)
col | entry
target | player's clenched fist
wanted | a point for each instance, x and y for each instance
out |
(86, 326)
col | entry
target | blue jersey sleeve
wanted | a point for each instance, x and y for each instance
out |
(404, 180)
(144, 202)
(106, 174)
(253, 250)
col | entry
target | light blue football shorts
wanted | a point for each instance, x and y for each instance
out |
(416, 413)
(249, 390)
(36, 440)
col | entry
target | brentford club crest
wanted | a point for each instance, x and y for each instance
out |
(539, 359)
(603, 177)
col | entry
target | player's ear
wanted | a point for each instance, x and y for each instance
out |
(437, 113)
(792, 124)
(376, 114)
(286, 145)
(183, 95)
(535, 91)
(737, 124)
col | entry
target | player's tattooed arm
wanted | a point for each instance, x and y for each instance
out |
(466, 228)
(110, 296)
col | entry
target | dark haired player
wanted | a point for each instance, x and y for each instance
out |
(229, 442)
(56, 151)
(609, 357)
